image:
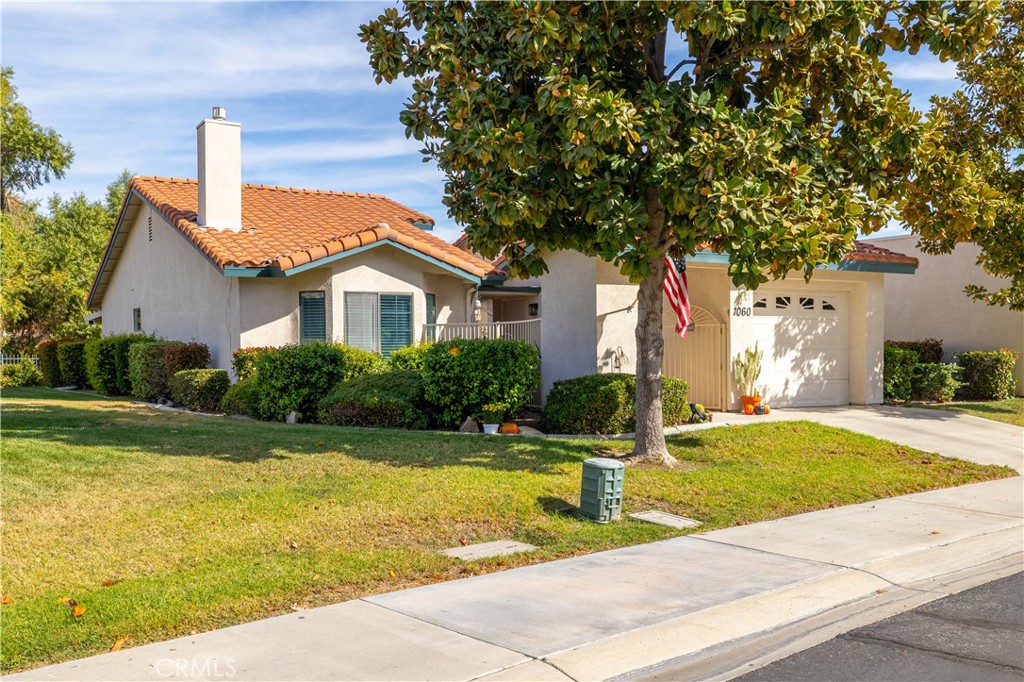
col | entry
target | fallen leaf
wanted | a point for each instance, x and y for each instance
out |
(109, 581)
(391, 573)
(464, 541)
(316, 576)
(935, 532)
(78, 610)
(7, 599)
(118, 643)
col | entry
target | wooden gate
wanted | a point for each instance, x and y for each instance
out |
(699, 359)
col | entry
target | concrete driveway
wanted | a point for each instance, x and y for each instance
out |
(954, 435)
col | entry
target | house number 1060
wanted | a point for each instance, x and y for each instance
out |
(742, 311)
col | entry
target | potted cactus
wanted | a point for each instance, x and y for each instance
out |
(746, 368)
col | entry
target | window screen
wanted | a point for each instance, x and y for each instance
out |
(362, 321)
(312, 316)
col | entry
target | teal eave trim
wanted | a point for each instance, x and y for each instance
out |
(275, 271)
(874, 266)
(427, 227)
(844, 265)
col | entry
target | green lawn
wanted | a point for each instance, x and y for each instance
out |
(1010, 411)
(205, 521)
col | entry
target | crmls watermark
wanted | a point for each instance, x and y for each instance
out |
(208, 668)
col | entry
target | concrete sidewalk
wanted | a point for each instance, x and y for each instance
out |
(705, 606)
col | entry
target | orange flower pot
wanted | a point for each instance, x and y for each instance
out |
(750, 401)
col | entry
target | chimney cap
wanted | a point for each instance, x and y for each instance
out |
(219, 113)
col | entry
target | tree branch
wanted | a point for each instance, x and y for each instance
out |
(736, 54)
(679, 66)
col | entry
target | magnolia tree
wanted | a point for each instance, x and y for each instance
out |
(775, 137)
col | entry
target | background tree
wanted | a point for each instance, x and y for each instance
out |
(48, 264)
(985, 122)
(30, 155)
(776, 138)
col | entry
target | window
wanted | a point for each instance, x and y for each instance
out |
(761, 302)
(150, 221)
(312, 316)
(431, 317)
(532, 309)
(137, 319)
(825, 305)
(807, 303)
(378, 322)
(781, 302)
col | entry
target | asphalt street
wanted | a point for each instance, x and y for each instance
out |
(976, 635)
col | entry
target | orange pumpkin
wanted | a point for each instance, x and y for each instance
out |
(508, 427)
(767, 410)
(748, 408)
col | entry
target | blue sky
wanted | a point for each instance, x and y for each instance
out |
(127, 82)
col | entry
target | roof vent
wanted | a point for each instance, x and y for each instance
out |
(219, 113)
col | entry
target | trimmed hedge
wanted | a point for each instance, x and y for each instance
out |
(71, 357)
(181, 356)
(200, 389)
(408, 358)
(934, 381)
(147, 372)
(987, 374)
(243, 360)
(297, 378)
(606, 403)
(928, 350)
(106, 362)
(49, 363)
(19, 374)
(241, 398)
(390, 400)
(462, 376)
(898, 373)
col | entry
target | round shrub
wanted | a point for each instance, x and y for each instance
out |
(106, 362)
(19, 374)
(180, 356)
(241, 398)
(898, 373)
(606, 403)
(987, 374)
(297, 378)
(71, 356)
(934, 381)
(243, 360)
(408, 358)
(388, 400)
(928, 350)
(147, 372)
(200, 389)
(462, 376)
(49, 363)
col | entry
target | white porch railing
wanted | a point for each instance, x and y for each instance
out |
(522, 330)
(17, 359)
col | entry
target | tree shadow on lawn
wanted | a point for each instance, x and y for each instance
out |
(176, 434)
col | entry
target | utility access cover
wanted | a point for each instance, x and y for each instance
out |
(665, 519)
(488, 549)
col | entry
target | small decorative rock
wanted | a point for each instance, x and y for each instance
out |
(291, 417)
(469, 426)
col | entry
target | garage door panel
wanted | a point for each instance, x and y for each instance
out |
(805, 338)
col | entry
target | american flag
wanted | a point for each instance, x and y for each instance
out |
(678, 294)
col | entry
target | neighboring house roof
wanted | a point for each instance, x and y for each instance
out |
(864, 251)
(285, 229)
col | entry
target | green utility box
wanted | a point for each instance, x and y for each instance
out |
(601, 493)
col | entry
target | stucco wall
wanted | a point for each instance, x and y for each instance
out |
(270, 315)
(931, 304)
(180, 293)
(568, 330)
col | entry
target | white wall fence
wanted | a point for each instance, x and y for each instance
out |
(17, 359)
(524, 330)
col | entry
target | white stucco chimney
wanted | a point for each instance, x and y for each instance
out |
(220, 172)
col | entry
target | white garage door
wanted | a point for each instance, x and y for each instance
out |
(806, 342)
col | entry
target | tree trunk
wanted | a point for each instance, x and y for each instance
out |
(650, 348)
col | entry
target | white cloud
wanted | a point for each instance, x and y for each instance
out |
(923, 68)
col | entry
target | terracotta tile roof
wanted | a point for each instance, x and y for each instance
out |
(871, 252)
(287, 227)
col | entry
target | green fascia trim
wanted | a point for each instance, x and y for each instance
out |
(845, 265)
(498, 287)
(874, 266)
(275, 271)
(494, 279)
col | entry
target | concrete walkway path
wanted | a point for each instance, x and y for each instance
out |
(704, 606)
